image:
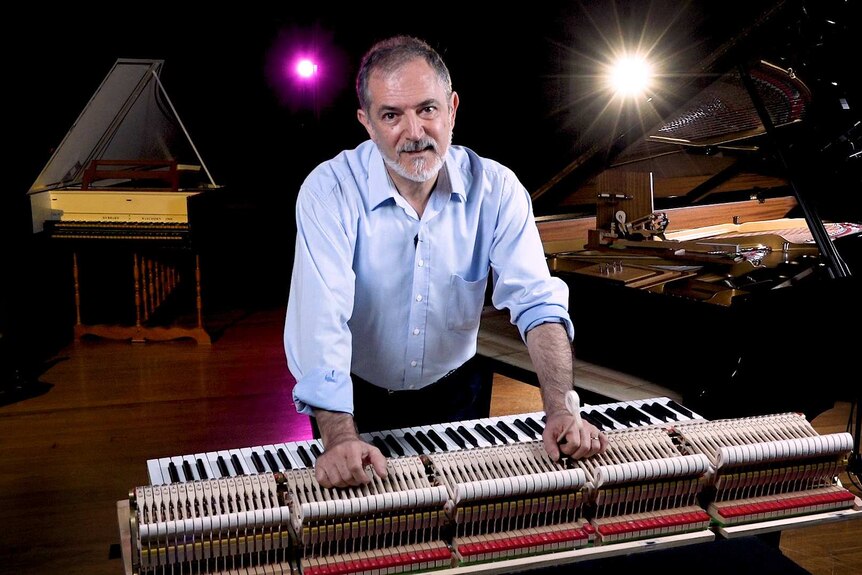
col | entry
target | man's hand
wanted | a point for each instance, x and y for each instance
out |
(562, 435)
(551, 353)
(345, 456)
(344, 464)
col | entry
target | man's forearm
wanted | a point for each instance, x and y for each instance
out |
(335, 426)
(551, 354)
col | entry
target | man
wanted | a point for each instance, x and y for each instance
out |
(395, 241)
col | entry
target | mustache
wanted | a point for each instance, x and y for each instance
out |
(418, 146)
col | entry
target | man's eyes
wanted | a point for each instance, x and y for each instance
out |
(426, 112)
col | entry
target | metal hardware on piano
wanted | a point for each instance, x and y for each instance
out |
(669, 477)
(128, 182)
(689, 261)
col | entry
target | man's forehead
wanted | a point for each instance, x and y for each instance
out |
(412, 83)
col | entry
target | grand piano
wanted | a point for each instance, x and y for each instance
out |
(711, 246)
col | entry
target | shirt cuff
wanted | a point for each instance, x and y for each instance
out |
(323, 390)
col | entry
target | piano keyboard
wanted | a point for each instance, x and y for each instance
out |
(484, 491)
(422, 440)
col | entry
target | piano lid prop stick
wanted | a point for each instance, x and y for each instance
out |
(573, 405)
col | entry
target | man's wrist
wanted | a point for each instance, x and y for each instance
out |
(335, 427)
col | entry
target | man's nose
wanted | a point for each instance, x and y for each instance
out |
(414, 127)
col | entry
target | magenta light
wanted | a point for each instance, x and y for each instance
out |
(306, 68)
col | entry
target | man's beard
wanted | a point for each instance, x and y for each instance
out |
(422, 170)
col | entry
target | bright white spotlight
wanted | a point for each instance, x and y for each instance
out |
(306, 68)
(630, 76)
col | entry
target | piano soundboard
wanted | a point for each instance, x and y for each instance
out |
(483, 495)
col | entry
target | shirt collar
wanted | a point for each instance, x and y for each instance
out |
(381, 188)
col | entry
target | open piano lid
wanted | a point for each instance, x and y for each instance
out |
(703, 138)
(130, 117)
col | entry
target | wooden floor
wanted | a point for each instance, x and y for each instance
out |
(69, 455)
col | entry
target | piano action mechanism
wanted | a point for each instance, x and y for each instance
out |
(492, 500)
(128, 194)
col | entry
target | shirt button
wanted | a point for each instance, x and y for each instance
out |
(419, 297)
(415, 331)
(414, 363)
(421, 263)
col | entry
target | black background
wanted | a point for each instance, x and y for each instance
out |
(527, 77)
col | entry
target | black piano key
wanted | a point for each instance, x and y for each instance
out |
(540, 429)
(381, 445)
(603, 418)
(658, 411)
(465, 433)
(315, 450)
(222, 467)
(459, 441)
(508, 430)
(237, 466)
(680, 409)
(528, 431)
(671, 414)
(495, 432)
(416, 444)
(619, 414)
(394, 445)
(429, 445)
(172, 471)
(285, 460)
(187, 471)
(637, 416)
(435, 437)
(258, 462)
(303, 454)
(270, 460)
(594, 420)
(480, 429)
(202, 469)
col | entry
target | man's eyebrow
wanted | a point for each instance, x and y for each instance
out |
(428, 102)
(385, 108)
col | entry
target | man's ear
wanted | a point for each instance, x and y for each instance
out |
(453, 107)
(363, 119)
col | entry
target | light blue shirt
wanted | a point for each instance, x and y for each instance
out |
(396, 299)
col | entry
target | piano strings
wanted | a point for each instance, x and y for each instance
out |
(497, 502)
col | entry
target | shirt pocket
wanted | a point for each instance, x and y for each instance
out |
(464, 305)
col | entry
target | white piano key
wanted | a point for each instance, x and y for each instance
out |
(245, 456)
(224, 454)
(287, 448)
(245, 468)
(262, 451)
(520, 436)
(399, 436)
(212, 460)
(154, 470)
(164, 463)
(293, 452)
(178, 464)
(450, 443)
(206, 465)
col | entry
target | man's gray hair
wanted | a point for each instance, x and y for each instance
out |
(390, 54)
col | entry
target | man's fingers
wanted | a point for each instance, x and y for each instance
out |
(377, 461)
(565, 435)
(551, 447)
(344, 465)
